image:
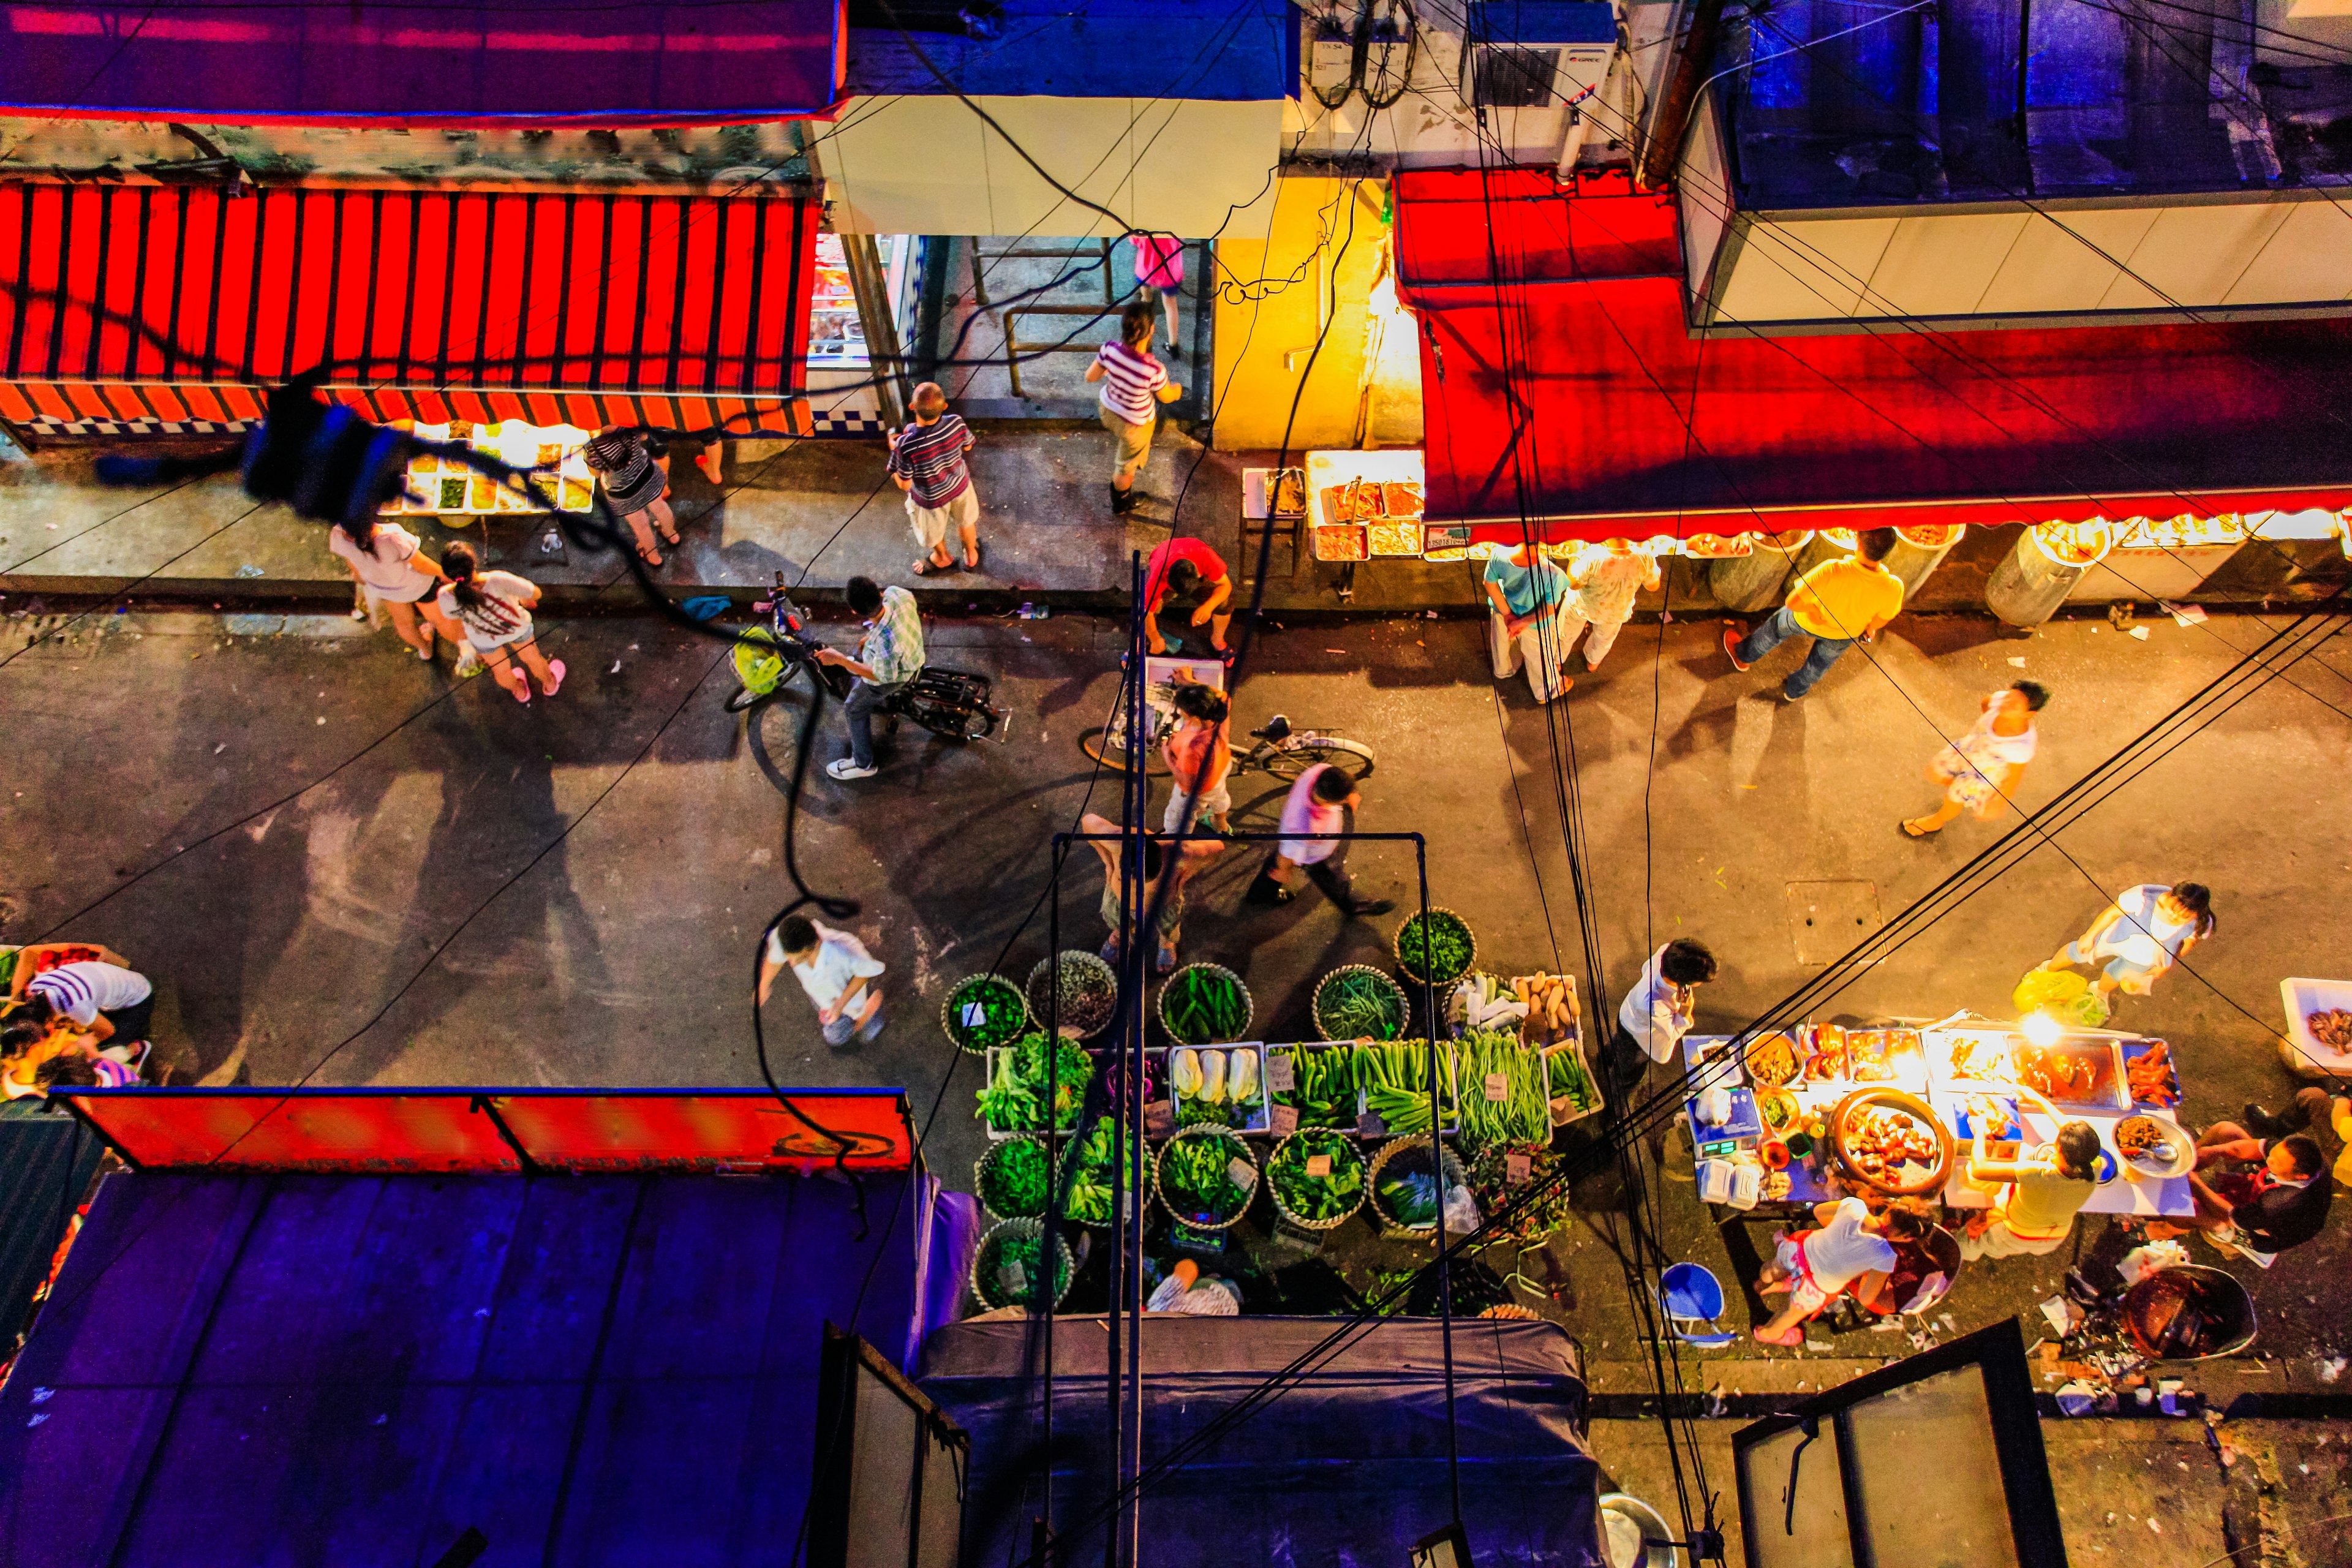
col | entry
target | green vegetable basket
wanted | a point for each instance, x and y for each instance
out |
(1345, 1188)
(1003, 1265)
(1455, 948)
(1003, 1013)
(1011, 1177)
(1215, 1150)
(1450, 1164)
(1192, 1011)
(1329, 1027)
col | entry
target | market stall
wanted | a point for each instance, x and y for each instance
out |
(1821, 1112)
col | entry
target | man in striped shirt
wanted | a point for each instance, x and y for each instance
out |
(1134, 384)
(926, 459)
(105, 1001)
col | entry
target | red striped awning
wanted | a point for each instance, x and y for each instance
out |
(153, 305)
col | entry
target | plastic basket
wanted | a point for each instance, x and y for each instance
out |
(1338, 1142)
(989, 1287)
(1249, 1005)
(1564, 1109)
(1160, 1168)
(954, 1000)
(1260, 1110)
(1315, 1003)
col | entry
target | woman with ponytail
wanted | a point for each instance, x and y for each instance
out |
(495, 609)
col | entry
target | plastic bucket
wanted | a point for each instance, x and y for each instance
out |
(1747, 584)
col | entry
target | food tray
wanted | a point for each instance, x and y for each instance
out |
(1563, 1108)
(1340, 541)
(1256, 1118)
(1344, 1116)
(2184, 1148)
(2304, 1052)
(2132, 1051)
(1851, 1164)
(1395, 538)
(2102, 1090)
(1965, 1118)
(1866, 1058)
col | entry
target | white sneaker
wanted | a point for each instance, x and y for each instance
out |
(846, 769)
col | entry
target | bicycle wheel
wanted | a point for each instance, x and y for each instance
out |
(1108, 747)
(951, 721)
(1293, 760)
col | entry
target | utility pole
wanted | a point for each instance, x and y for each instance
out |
(1671, 121)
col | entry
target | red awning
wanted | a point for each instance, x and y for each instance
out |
(510, 62)
(1615, 419)
(169, 307)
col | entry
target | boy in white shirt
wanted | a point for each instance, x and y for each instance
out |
(836, 972)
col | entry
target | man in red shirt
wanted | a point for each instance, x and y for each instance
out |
(1186, 574)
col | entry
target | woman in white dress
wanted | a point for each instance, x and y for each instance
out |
(1979, 770)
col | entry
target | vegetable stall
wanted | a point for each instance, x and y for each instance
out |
(1258, 1153)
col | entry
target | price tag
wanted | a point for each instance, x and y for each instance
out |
(1284, 1120)
(1013, 1279)
(975, 1015)
(1516, 1169)
(1499, 1087)
(1319, 1164)
(1242, 1174)
(1158, 1119)
(1369, 1125)
(1281, 1072)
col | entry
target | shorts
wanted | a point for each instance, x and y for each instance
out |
(1133, 443)
(132, 1023)
(1171, 913)
(518, 637)
(1803, 1294)
(1216, 803)
(407, 595)
(930, 522)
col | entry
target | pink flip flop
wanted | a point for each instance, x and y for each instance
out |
(554, 676)
(522, 694)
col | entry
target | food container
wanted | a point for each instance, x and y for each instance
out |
(1316, 1140)
(1180, 1208)
(1254, 1116)
(1394, 538)
(995, 1059)
(1168, 988)
(1097, 980)
(1404, 1009)
(997, 1283)
(2150, 1076)
(1452, 1173)
(1564, 1108)
(1341, 541)
(2169, 1134)
(975, 1035)
(2305, 1054)
(1342, 1117)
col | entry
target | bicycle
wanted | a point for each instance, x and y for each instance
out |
(949, 703)
(1280, 749)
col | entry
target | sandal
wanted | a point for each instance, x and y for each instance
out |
(554, 676)
(972, 560)
(1787, 1337)
(649, 555)
(671, 539)
(521, 694)
(1910, 831)
(926, 567)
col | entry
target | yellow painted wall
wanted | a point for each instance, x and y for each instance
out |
(1274, 297)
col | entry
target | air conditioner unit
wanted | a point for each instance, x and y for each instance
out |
(1535, 53)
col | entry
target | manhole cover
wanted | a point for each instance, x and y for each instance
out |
(1828, 917)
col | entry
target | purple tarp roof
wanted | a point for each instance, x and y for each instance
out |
(421, 62)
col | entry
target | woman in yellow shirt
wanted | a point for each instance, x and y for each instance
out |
(2034, 1212)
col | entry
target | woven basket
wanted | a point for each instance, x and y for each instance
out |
(954, 999)
(988, 1290)
(1249, 1005)
(1444, 983)
(1452, 1173)
(1038, 991)
(1315, 1003)
(1160, 1168)
(995, 1156)
(1342, 1149)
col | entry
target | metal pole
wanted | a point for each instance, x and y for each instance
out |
(1047, 1256)
(1138, 890)
(1437, 1168)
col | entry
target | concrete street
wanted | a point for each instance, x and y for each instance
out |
(337, 862)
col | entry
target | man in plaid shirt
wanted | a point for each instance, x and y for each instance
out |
(926, 459)
(890, 655)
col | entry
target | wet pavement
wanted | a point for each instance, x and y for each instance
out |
(339, 862)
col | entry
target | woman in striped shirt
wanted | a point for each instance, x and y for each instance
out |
(1134, 384)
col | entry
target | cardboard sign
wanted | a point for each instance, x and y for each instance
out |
(1284, 1120)
(1499, 1087)
(1241, 1173)
(1516, 1169)
(1012, 1279)
(1319, 1164)
(1281, 1072)
(1158, 1119)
